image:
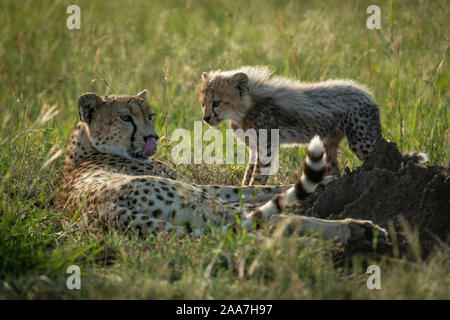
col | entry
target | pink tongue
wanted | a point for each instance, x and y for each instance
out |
(150, 147)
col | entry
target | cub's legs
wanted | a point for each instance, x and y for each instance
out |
(331, 148)
(258, 177)
(363, 130)
(260, 160)
(253, 175)
(248, 172)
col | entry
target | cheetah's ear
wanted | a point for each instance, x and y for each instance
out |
(240, 81)
(142, 94)
(86, 105)
(204, 75)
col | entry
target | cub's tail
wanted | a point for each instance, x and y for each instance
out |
(314, 170)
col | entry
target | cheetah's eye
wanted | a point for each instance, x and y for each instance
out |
(125, 118)
(216, 104)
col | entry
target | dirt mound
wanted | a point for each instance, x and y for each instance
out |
(386, 187)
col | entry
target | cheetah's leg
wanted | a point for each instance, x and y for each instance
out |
(331, 149)
(258, 178)
(261, 169)
(364, 131)
(356, 234)
(250, 169)
(144, 223)
(246, 194)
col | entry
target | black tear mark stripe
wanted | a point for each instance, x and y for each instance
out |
(90, 114)
(238, 87)
(132, 138)
(85, 113)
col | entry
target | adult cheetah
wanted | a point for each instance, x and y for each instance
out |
(110, 180)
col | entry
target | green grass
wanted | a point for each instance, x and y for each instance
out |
(126, 46)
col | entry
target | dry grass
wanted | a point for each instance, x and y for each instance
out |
(164, 46)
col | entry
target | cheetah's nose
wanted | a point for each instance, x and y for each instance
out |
(206, 118)
(154, 136)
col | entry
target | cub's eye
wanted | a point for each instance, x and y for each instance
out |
(216, 104)
(125, 118)
(151, 116)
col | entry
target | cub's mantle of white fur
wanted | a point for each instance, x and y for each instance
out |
(252, 99)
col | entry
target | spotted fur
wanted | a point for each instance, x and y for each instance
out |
(107, 182)
(251, 98)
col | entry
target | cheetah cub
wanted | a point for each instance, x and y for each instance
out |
(252, 99)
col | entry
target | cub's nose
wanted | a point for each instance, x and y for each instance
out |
(206, 118)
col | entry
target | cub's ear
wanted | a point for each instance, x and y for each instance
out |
(87, 103)
(240, 81)
(142, 94)
(204, 75)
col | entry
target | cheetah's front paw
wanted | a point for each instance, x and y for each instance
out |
(365, 235)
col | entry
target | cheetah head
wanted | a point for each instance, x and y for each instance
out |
(224, 96)
(119, 124)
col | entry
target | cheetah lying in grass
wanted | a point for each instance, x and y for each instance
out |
(110, 180)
